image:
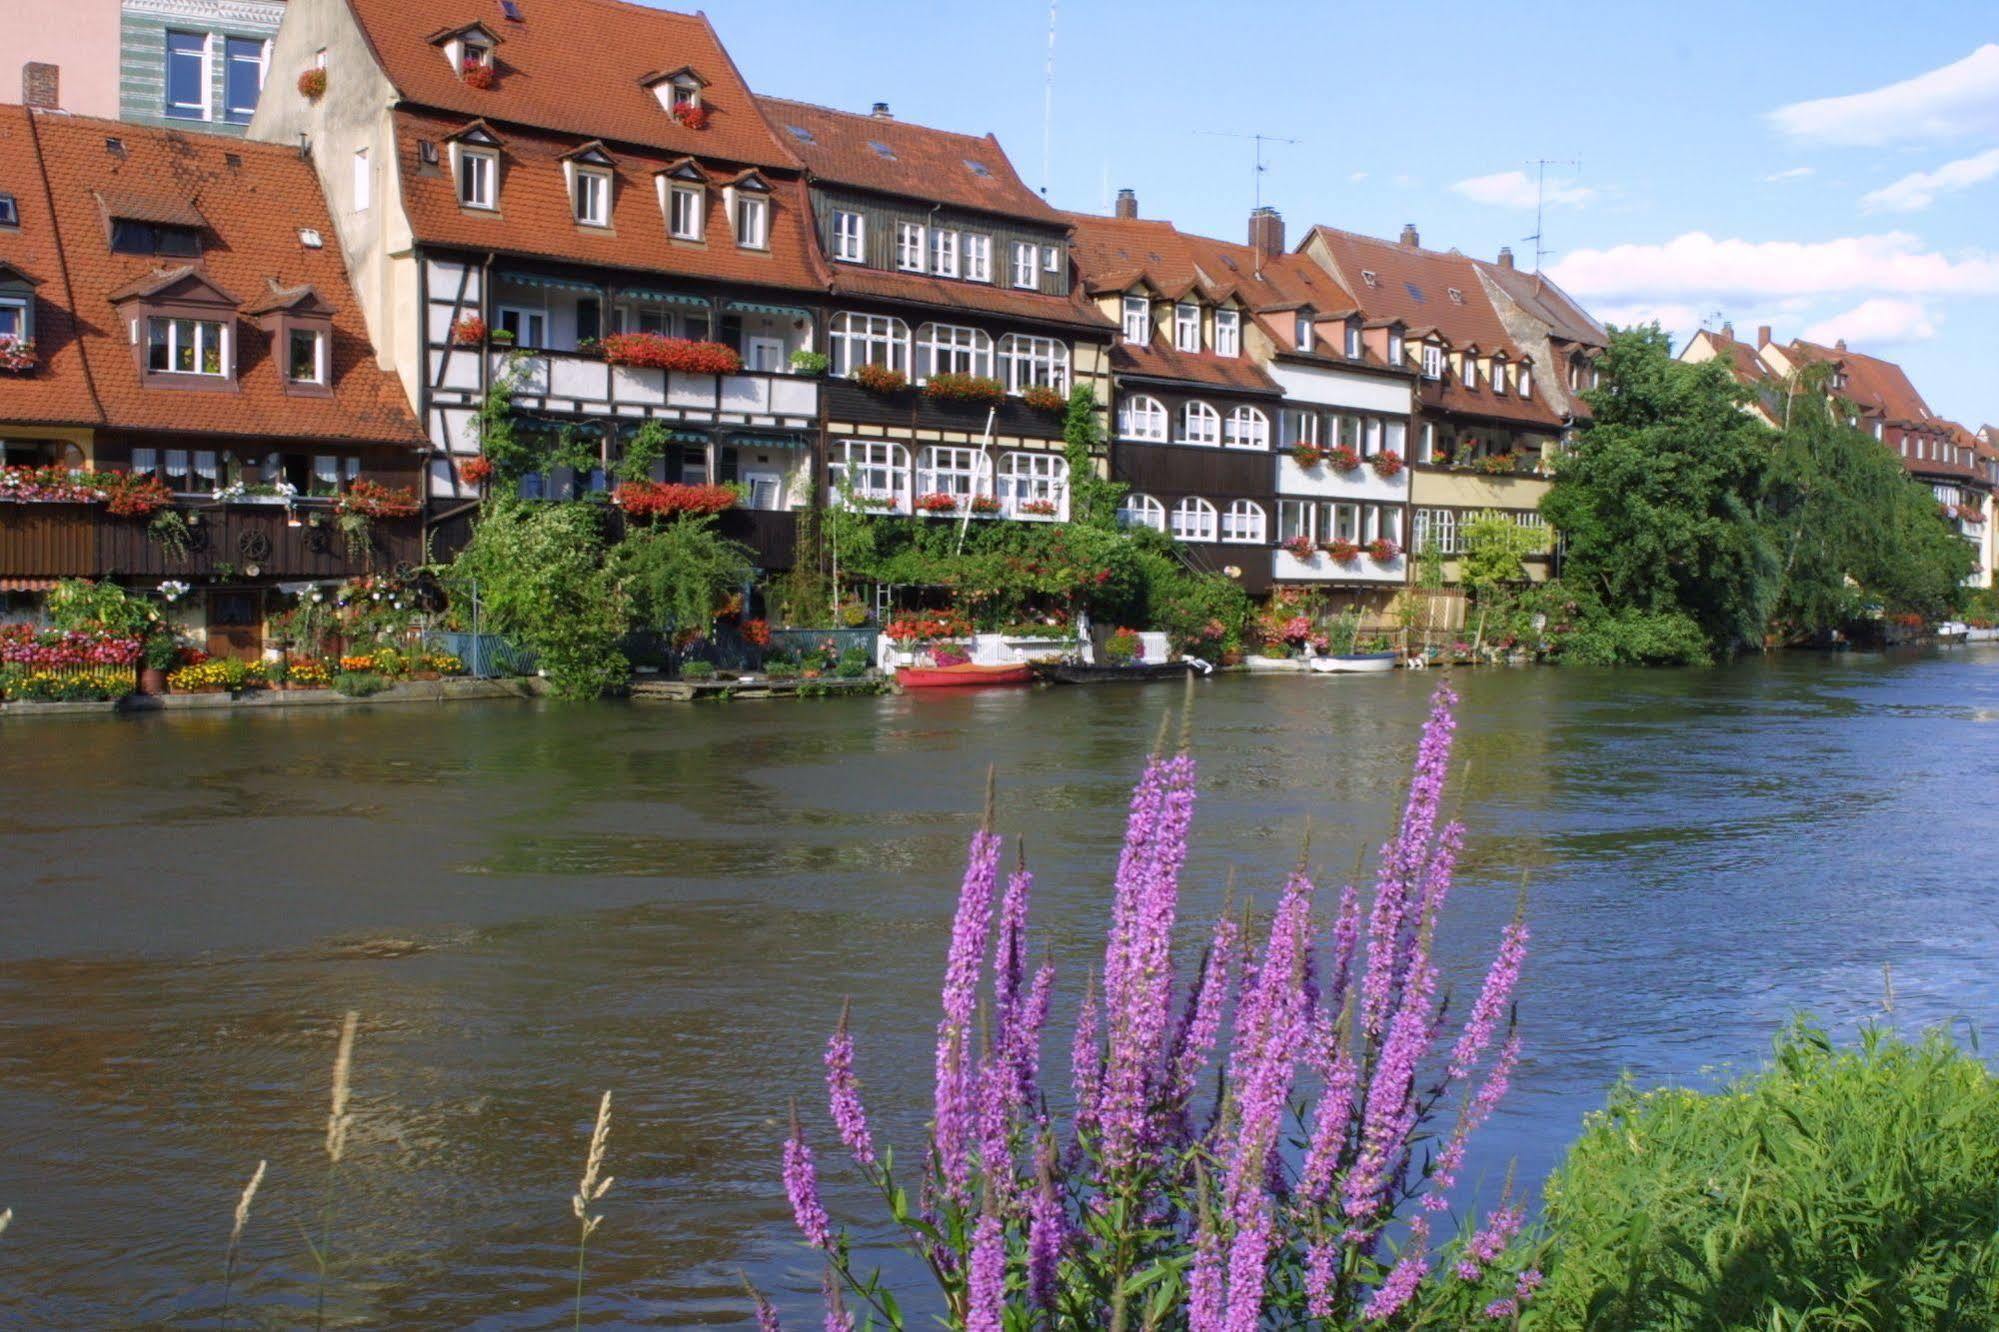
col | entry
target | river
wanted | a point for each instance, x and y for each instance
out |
(530, 904)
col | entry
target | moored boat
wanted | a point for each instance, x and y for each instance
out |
(1354, 663)
(962, 675)
(1069, 672)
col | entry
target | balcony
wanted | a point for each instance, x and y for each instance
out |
(587, 384)
(248, 539)
(1321, 567)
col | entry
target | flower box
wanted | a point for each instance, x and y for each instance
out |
(880, 379)
(1039, 508)
(985, 504)
(469, 331)
(655, 499)
(1044, 399)
(1307, 455)
(1342, 550)
(476, 471)
(658, 352)
(480, 75)
(1298, 546)
(1381, 550)
(372, 499)
(975, 389)
(693, 117)
(1387, 464)
(1343, 458)
(937, 502)
(17, 356)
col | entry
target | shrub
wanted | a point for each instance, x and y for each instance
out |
(1638, 638)
(1833, 1189)
(359, 684)
(697, 670)
(809, 362)
(853, 664)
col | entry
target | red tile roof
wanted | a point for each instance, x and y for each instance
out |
(1749, 368)
(1871, 383)
(1537, 294)
(59, 391)
(255, 198)
(536, 218)
(989, 298)
(937, 166)
(1162, 361)
(576, 66)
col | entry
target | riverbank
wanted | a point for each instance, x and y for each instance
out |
(262, 700)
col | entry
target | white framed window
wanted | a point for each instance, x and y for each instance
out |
(364, 181)
(752, 222)
(958, 472)
(855, 340)
(1440, 526)
(593, 198)
(1499, 374)
(952, 349)
(1142, 511)
(1024, 275)
(909, 246)
(187, 347)
(1303, 329)
(1370, 437)
(1295, 519)
(1142, 418)
(1037, 479)
(1244, 523)
(978, 257)
(850, 237)
(242, 77)
(1433, 361)
(305, 360)
(1353, 341)
(1051, 259)
(13, 318)
(1397, 441)
(1247, 428)
(1526, 380)
(1137, 320)
(1468, 370)
(873, 469)
(187, 75)
(1228, 333)
(1187, 326)
(944, 253)
(1301, 427)
(1426, 447)
(1194, 519)
(1030, 362)
(1344, 524)
(1200, 424)
(1395, 352)
(478, 174)
(529, 327)
(689, 206)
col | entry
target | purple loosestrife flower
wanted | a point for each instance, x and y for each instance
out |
(985, 1286)
(1444, 1173)
(1322, 1270)
(1501, 1226)
(1201, 1026)
(1009, 951)
(1402, 862)
(1403, 1278)
(1207, 1288)
(837, 1317)
(1329, 1129)
(969, 931)
(1390, 1109)
(1086, 1065)
(766, 1316)
(1500, 979)
(801, 1185)
(1047, 1229)
(1023, 1044)
(843, 1094)
(1248, 1253)
(1503, 1308)
(1346, 939)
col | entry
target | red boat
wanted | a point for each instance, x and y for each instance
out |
(962, 675)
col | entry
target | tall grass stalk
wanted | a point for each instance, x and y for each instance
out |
(588, 1190)
(338, 1120)
(236, 1237)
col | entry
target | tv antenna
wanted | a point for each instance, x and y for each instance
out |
(1048, 105)
(1259, 140)
(1541, 166)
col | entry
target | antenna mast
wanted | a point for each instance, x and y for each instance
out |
(1259, 140)
(1048, 105)
(1541, 166)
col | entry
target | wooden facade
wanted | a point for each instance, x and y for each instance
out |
(882, 216)
(251, 542)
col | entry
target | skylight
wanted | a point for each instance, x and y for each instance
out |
(10, 215)
(310, 238)
(1231, 263)
(1415, 292)
(1457, 297)
(800, 133)
(1367, 276)
(882, 149)
(977, 168)
(511, 10)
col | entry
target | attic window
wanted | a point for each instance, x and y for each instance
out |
(510, 10)
(1457, 297)
(133, 237)
(800, 133)
(311, 239)
(1415, 292)
(1367, 276)
(976, 168)
(882, 149)
(10, 214)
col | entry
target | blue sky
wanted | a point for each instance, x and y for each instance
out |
(1831, 171)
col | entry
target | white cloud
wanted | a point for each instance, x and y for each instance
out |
(1881, 320)
(1700, 267)
(1957, 99)
(1515, 189)
(1790, 173)
(1357, 177)
(1919, 189)
(1677, 319)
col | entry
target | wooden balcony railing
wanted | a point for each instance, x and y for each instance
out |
(246, 540)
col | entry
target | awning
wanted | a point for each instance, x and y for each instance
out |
(767, 441)
(666, 297)
(555, 283)
(752, 307)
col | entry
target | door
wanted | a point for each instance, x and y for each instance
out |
(765, 354)
(236, 625)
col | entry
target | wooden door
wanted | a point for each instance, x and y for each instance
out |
(236, 625)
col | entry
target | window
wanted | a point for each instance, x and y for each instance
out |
(242, 78)
(1526, 384)
(1345, 525)
(855, 340)
(909, 246)
(1468, 370)
(364, 181)
(1433, 361)
(476, 173)
(1244, 522)
(1370, 443)
(1029, 362)
(306, 362)
(1037, 479)
(1142, 511)
(1294, 519)
(185, 347)
(752, 222)
(1137, 320)
(1349, 432)
(944, 253)
(13, 318)
(1024, 275)
(1187, 327)
(1395, 346)
(1426, 451)
(952, 349)
(187, 75)
(1353, 341)
(978, 258)
(689, 205)
(129, 237)
(1051, 259)
(1398, 438)
(850, 237)
(1142, 418)
(1194, 519)
(1247, 429)
(1200, 424)
(593, 198)
(1499, 374)
(1228, 333)
(951, 471)
(1438, 527)
(1304, 331)
(873, 470)
(529, 327)
(1301, 427)
(10, 214)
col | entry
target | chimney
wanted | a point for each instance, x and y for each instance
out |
(41, 85)
(1840, 345)
(1409, 236)
(1762, 335)
(1127, 204)
(1728, 330)
(1266, 231)
(1506, 256)
(881, 112)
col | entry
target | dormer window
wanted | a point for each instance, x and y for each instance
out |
(589, 173)
(687, 205)
(1526, 380)
(186, 346)
(680, 94)
(468, 48)
(748, 200)
(1433, 361)
(1302, 331)
(478, 178)
(1353, 339)
(305, 356)
(182, 328)
(1187, 326)
(10, 213)
(1228, 333)
(1468, 370)
(1499, 374)
(1137, 320)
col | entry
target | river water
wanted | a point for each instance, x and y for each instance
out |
(530, 904)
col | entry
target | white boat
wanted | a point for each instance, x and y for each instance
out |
(1273, 665)
(1354, 663)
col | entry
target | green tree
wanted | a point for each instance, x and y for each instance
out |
(674, 574)
(540, 575)
(1495, 550)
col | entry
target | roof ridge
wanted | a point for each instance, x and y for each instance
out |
(986, 137)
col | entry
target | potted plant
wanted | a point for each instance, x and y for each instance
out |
(807, 362)
(312, 84)
(1307, 455)
(1344, 458)
(480, 75)
(692, 116)
(1387, 464)
(976, 389)
(1123, 647)
(476, 471)
(938, 501)
(159, 655)
(697, 670)
(880, 379)
(1042, 398)
(1381, 550)
(468, 331)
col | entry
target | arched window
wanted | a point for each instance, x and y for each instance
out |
(1194, 519)
(855, 340)
(876, 470)
(1029, 362)
(1034, 485)
(1200, 424)
(1247, 429)
(1245, 522)
(1142, 511)
(1142, 418)
(953, 349)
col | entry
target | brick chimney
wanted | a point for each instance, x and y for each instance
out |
(41, 85)
(1409, 236)
(1728, 330)
(1840, 345)
(1506, 256)
(1127, 203)
(1266, 231)
(1762, 335)
(881, 112)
